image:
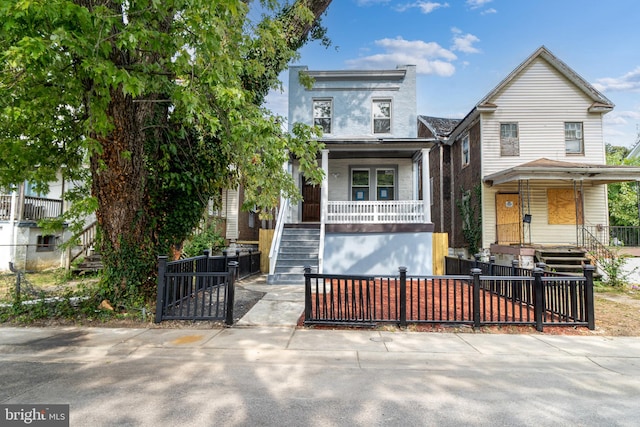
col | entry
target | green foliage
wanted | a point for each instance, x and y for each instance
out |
(623, 196)
(206, 239)
(471, 212)
(615, 275)
(163, 101)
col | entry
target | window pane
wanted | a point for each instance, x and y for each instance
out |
(322, 114)
(381, 126)
(509, 143)
(360, 178)
(573, 137)
(382, 116)
(360, 193)
(385, 177)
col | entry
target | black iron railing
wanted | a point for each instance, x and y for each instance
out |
(476, 299)
(202, 287)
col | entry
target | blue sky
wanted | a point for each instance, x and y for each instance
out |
(464, 48)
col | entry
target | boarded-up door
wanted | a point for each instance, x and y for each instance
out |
(310, 203)
(508, 219)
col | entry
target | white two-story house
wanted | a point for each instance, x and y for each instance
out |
(534, 149)
(371, 214)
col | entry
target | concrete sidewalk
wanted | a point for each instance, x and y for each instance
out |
(264, 371)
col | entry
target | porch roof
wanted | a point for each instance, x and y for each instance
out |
(547, 169)
(376, 147)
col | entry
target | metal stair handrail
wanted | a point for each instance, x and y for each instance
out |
(594, 246)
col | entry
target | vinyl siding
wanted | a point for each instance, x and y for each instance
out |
(540, 100)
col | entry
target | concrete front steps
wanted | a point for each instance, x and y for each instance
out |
(299, 247)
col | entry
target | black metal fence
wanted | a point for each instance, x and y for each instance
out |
(201, 288)
(476, 299)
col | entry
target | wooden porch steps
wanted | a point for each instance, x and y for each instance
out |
(569, 259)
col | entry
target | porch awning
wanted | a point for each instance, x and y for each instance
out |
(546, 169)
(376, 147)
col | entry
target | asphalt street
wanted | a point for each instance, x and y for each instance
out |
(266, 372)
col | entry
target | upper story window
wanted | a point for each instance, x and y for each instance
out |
(322, 114)
(381, 116)
(573, 138)
(509, 142)
(466, 155)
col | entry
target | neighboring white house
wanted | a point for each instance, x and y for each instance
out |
(371, 211)
(22, 242)
(534, 146)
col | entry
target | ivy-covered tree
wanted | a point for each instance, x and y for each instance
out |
(624, 209)
(162, 100)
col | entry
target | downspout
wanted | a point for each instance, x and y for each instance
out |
(441, 178)
(426, 187)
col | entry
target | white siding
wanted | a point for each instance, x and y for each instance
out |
(540, 100)
(595, 208)
(230, 201)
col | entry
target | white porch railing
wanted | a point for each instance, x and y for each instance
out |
(376, 212)
(283, 215)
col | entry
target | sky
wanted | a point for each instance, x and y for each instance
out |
(462, 49)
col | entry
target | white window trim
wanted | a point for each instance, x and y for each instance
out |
(373, 180)
(313, 113)
(468, 151)
(373, 118)
(581, 150)
(517, 139)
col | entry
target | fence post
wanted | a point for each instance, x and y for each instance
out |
(516, 289)
(459, 270)
(231, 279)
(475, 277)
(538, 297)
(162, 268)
(403, 296)
(476, 257)
(588, 294)
(307, 293)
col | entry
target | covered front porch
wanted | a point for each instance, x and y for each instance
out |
(548, 205)
(372, 208)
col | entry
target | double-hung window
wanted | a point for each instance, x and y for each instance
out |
(509, 142)
(573, 138)
(371, 183)
(381, 116)
(322, 114)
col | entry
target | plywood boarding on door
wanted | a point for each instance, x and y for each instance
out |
(508, 218)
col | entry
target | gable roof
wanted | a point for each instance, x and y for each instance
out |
(600, 103)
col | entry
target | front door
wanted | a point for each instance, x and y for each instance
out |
(310, 202)
(508, 219)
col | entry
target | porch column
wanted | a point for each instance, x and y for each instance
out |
(324, 189)
(426, 186)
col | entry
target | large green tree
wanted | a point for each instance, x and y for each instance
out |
(162, 100)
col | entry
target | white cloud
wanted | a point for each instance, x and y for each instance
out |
(630, 82)
(475, 4)
(429, 58)
(425, 6)
(488, 11)
(464, 42)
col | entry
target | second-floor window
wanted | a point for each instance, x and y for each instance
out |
(466, 156)
(509, 142)
(322, 114)
(381, 116)
(573, 138)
